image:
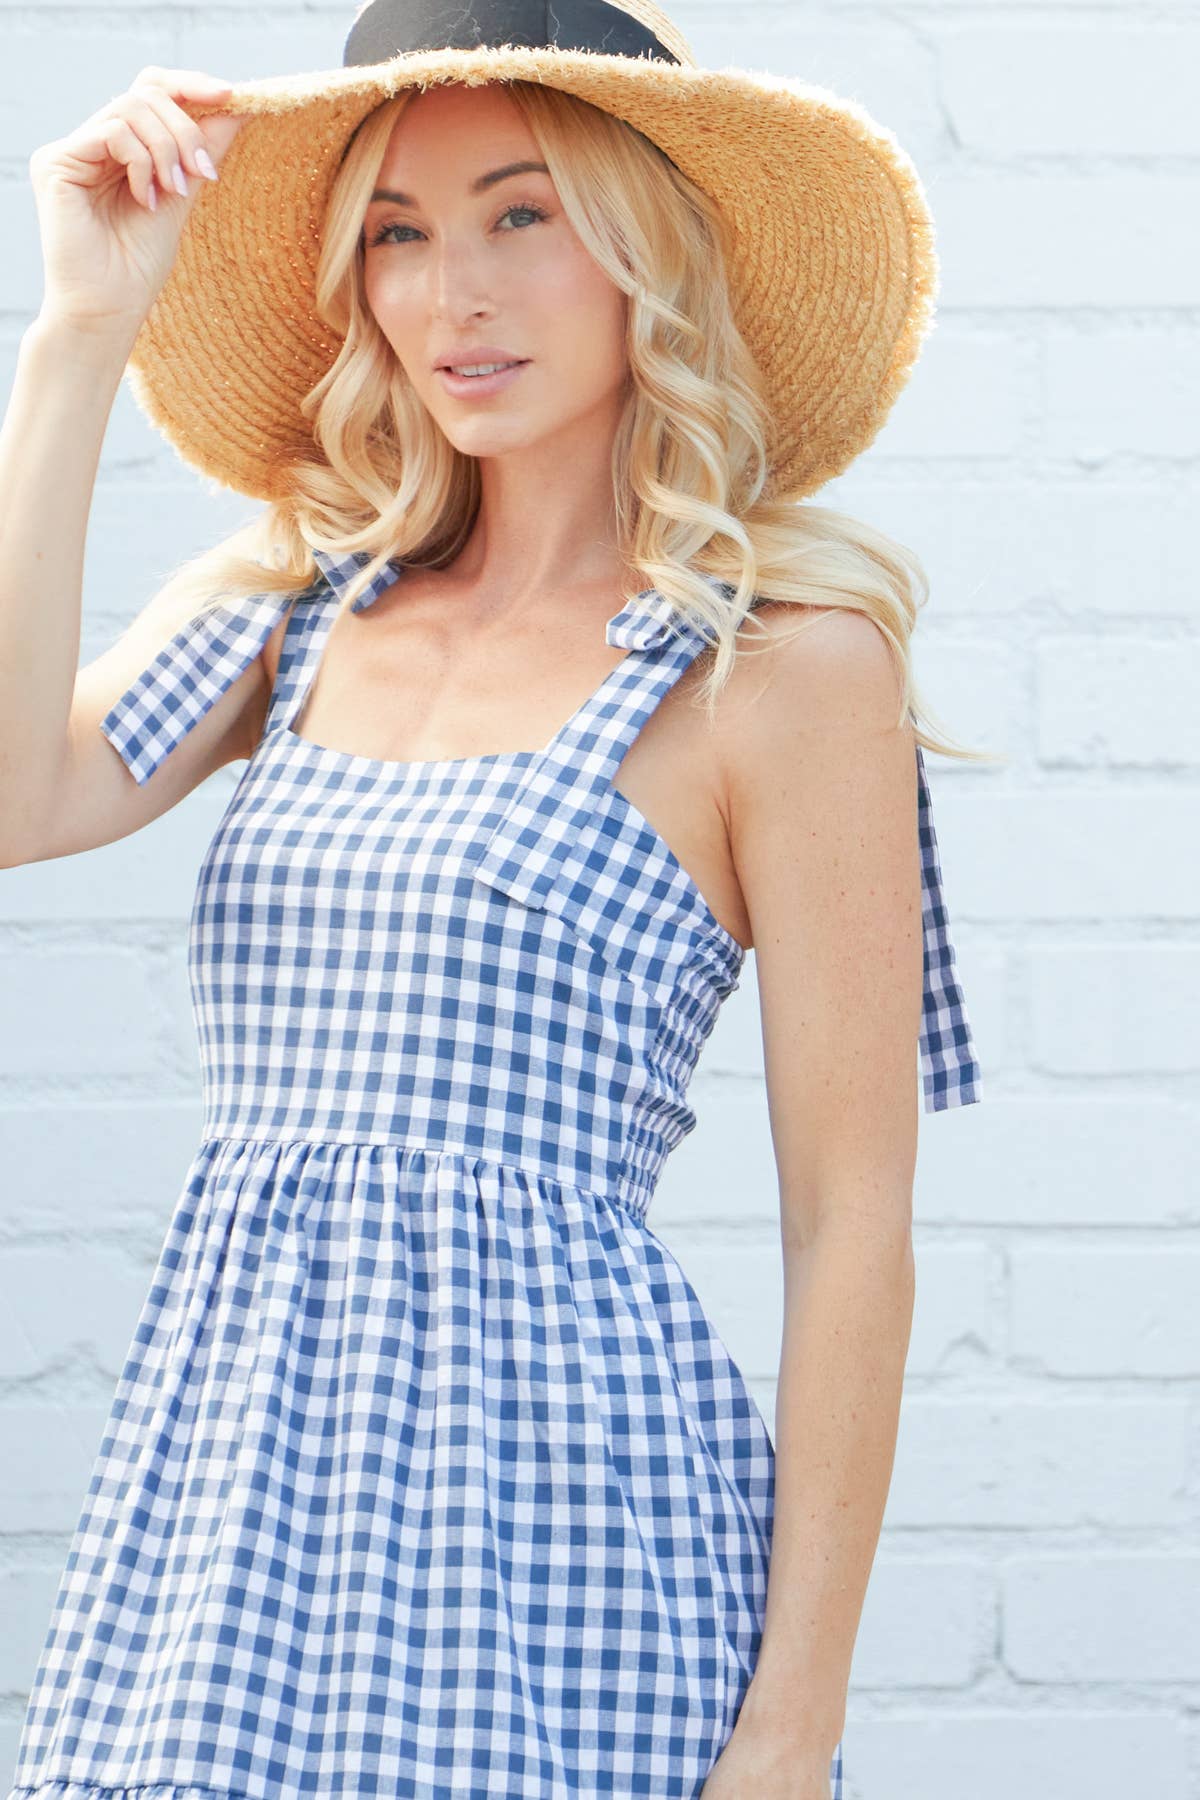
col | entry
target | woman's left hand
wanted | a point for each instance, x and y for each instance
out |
(754, 1762)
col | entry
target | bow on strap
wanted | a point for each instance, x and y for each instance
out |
(191, 672)
(206, 656)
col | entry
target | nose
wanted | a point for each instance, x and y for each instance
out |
(457, 279)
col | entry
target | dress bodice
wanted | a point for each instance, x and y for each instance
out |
(494, 954)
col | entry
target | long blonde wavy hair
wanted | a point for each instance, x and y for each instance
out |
(690, 457)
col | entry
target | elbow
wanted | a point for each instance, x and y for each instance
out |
(881, 1234)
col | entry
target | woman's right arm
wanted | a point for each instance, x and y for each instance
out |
(62, 787)
(107, 252)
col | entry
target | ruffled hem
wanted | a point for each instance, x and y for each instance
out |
(91, 1790)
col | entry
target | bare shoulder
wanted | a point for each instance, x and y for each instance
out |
(820, 786)
(831, 657)
(804, 672)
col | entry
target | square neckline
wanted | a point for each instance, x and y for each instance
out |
(411, 765)
(430, 765)
(394, 768)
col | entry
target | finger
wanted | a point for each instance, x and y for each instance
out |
(125, 147)
(142, 111)
(184, 132)
(182, 84)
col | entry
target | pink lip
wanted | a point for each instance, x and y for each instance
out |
(476, 353)
(479, 386)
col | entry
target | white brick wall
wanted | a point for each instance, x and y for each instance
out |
(1030, 1630)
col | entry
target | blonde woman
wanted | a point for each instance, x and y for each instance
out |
(427, 1474)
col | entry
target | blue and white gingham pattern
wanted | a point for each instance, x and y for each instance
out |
(201, 660)
(950, 1074)
(427, 1474)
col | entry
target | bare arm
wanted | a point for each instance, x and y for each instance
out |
(63, 788)
(822, 801)
(108, 245)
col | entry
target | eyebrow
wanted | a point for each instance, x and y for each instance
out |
(480, 185)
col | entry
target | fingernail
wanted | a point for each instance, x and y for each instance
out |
(180, 179)
(204, 163)
(151, 196)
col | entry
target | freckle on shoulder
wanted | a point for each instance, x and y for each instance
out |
(815, 641)
(777, 634)
(806, 668)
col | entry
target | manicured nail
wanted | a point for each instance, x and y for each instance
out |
(151, 196)
(180, 179)
(204, 163)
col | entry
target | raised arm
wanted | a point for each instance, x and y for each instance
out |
(63, 788)
(109, 239)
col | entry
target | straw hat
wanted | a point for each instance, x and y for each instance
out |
(833, 270)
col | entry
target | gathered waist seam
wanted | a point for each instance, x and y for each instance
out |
(631, 1195)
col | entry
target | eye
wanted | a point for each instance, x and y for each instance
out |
(536, 212)
(384, 233)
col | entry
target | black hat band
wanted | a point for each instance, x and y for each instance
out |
(389, 28)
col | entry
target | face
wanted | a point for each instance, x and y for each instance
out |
(461, 259)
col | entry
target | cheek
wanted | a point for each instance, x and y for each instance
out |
(390, 298)
(583, 313)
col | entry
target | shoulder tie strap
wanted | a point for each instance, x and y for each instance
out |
(547, 849)
(559, 797)
(548, 817)
(950, 1073)
(203, 659)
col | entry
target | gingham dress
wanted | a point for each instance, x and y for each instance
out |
(427, 1474)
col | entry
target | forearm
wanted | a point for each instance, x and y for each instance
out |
(847, 1321)
(66, 382)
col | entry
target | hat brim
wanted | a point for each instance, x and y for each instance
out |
(833, 270)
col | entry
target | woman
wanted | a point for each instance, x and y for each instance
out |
(427, 1474)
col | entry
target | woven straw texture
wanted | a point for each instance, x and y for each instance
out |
(833, 268)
